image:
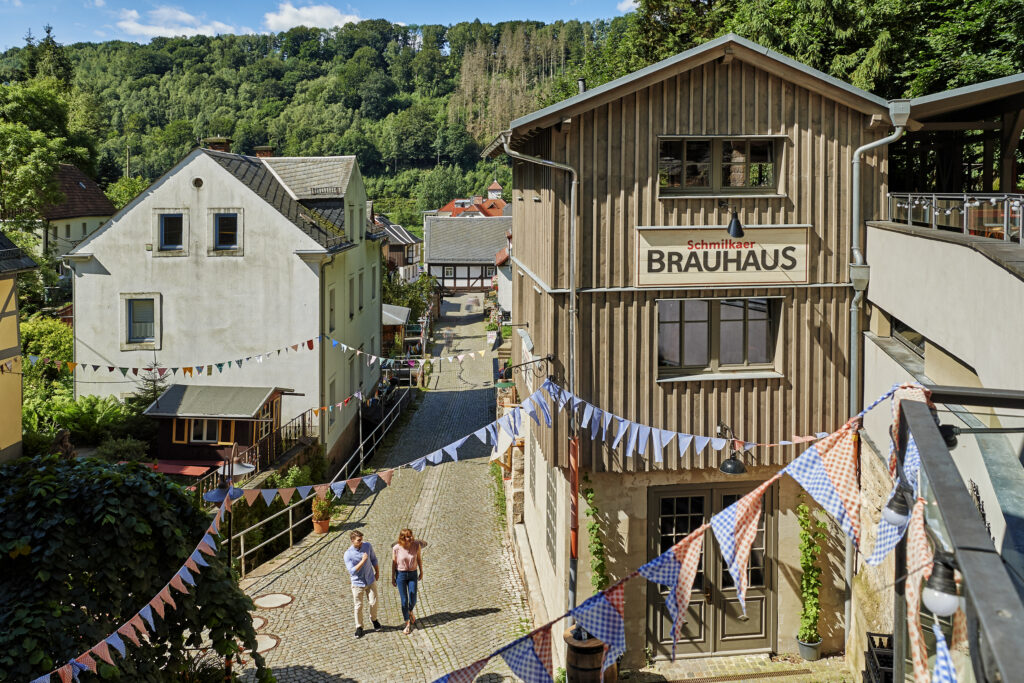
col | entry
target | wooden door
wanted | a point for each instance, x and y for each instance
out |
(715, 624)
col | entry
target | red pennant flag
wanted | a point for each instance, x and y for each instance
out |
(251, 495)
(353, 484)
(160, 371)
(165, 595)
(295, 347)
(347, 400)
(86, 659)
(103, 650)
(386, 476)
(135, 371)
(110, 368)
(128, 632)
(309, 344)
(139, 624)
(178, 583)
(286, 494)
(321, 490)
(204, 547)
(737, 444)
(65, 673)
(72, 366)
(157, 603)
(191, 564)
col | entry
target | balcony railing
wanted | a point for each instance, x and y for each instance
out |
(995, 216)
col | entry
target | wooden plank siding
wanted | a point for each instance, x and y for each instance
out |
(614, 148)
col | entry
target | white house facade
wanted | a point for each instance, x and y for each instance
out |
(229, 258)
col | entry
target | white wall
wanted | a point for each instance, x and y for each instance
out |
(212, 308)
(505, 288)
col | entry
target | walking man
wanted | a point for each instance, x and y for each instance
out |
(361, 563)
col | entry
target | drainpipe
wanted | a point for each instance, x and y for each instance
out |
(574, 449)
(899, 112)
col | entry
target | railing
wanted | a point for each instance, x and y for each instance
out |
(367, 446)
(11, 253)
(995, 216)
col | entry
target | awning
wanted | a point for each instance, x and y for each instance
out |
(191, 470)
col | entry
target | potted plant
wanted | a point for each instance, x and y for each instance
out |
(812, 533)
(323, 508)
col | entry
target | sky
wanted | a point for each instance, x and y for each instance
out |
(98, 20)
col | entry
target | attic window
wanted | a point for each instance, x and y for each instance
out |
(327, 189)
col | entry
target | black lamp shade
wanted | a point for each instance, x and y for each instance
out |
(733, 465)
(735, 227)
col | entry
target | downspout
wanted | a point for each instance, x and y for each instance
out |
(574, 451)
(899, 112)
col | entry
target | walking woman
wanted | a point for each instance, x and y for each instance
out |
(407, 572)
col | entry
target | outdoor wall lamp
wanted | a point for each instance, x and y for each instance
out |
(735, 227)
(940, 595)
(734, 464)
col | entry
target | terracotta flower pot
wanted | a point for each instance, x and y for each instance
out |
(321, 526)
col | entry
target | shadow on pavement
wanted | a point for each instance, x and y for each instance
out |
(307, 674)
(445, 617)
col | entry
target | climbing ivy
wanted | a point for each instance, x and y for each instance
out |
(812, 534)
(598, 564)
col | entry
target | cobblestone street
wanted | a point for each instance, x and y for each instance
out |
(471, 599)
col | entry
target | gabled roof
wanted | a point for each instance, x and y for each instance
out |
(322, 218)
(82, 196)
(494, 186)
(465, 240)
(399, 235)
(741, 48)
(501, 258)
(13, 259)
(485, 207)
(313, 177)
(181, 400)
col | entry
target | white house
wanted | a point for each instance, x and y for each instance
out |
(459, 252)
(228, 257)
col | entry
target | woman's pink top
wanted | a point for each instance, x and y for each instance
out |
(406, 559)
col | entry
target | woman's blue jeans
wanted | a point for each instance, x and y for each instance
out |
(407, 591)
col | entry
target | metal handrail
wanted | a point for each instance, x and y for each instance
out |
(362, 451)
(993, 215)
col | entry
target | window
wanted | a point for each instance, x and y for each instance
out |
(361, 294)
(718, 165)
(449, 271)
(698, 336)
(490, 271)
(373, 283)
(332, 398)
(212, 431)
(171, 231)
(265, 425)
(85, 228)
(225, 230)
(141, 320)
(351, 298)
(67, 231)
(179, 433)
(410, 254)
(330, 309)
(910, 337)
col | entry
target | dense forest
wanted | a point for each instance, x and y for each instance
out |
(415, 103)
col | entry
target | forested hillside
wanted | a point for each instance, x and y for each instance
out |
(415, 103)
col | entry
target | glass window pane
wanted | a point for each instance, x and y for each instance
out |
(757, 309)
(734, 175)
(761, 151)
(698, 163)
(670, 163)
(197, 429)
(227, 230)
(682, 505)
(732, 309)
(140, 320)
(668, 311)
(762, 175)
(666, 506)
(695, 310)
(668, 344)
(170, 231)
(730, 346)
(734, 151)
(695, 344)
(757, 342)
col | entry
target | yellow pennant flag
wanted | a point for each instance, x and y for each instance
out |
(186, 371)
(72, 366)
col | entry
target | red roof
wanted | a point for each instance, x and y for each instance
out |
(501, 258)
(82, 196)
(494, 186)
(487, 207)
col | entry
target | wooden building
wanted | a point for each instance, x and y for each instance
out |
(682, 327)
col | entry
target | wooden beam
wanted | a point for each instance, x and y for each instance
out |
(1013, 125)
(961, 125)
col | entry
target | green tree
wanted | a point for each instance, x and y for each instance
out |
(60, 598)
(124, 190)
(46, 337)
(438, 186)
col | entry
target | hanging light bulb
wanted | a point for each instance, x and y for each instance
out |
(993, 201)
(940, 594)
(897, 510)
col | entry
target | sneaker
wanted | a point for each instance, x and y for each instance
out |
(359, 632)
(376, 625)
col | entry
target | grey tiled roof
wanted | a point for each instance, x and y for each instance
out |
(181, 400)
(13, 259)
(313, 177)
(325, 224)
(465, 240)
(399, 235)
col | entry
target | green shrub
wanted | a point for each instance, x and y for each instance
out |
(123, 450)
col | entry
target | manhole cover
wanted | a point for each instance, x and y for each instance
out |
(272, 600)
(258, 622)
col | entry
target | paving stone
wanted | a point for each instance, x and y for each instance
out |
(471, 600)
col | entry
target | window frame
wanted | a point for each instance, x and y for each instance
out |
(163, 244)
(332, 307)
(716, 165)
(214, 248)
(715, 368)
(449, 271)
(127, 343)
(217, 231)
(157, 248)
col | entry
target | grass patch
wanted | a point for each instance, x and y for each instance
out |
(499, 491)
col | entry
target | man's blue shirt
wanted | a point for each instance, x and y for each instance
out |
(365, 575)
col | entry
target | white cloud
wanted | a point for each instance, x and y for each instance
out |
(627, 5)
(168, 21)
(288, 16)
(96, 3)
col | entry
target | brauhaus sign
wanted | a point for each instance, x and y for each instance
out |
(672, 257)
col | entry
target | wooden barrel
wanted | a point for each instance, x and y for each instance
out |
(583, 661)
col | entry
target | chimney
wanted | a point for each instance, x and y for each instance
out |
(581, 85)
(218, 144)
(264, 150)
